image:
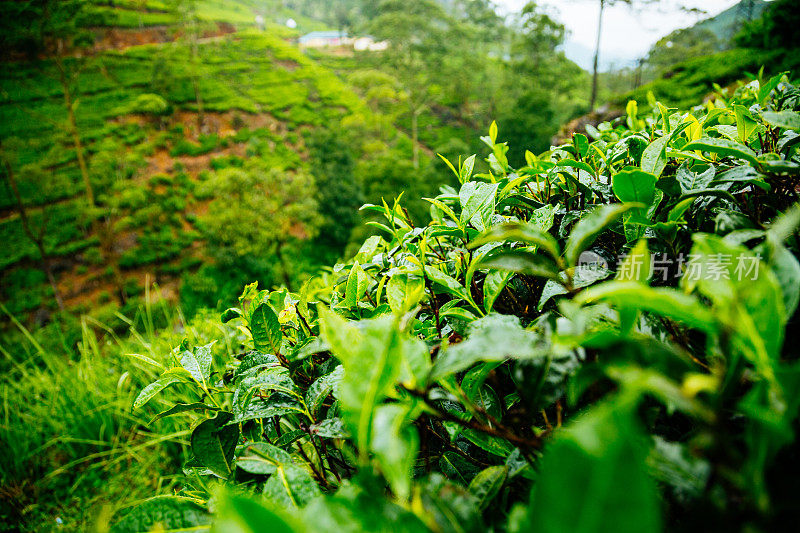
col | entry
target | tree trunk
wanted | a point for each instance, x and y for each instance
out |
(106, 232)
(195, 83)
(38, 241)
(73, 126)
(593, 101)
(287, 280)
(103, 229)
(415, 138)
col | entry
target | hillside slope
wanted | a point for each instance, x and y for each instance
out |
(261, 98)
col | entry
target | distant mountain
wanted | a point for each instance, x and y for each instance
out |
(708, 36)
(583, 56)
(728, 23)
(724, 26)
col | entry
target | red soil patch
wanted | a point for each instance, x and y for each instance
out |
(160, 163)
(122, 38)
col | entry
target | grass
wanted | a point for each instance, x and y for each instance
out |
(67, 424)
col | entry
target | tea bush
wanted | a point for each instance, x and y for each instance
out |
(594, 341)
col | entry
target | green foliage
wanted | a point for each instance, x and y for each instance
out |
(777, 28)
(61, 472)
(147, 104)
(339, 195)
(493, 369)
(260, 209)
(480, 362)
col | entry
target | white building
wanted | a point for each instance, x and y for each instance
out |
(327, 39)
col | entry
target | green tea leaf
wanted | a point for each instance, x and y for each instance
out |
(488, 483)
(581, 144)
(661, 301)
(164, 512)
(638, 264)
(594, 478)
(467, 168)
(634, 186)
(766, 89)
(746, 125)
(356, 286)
(789, 120)
(198, 363)
(521, 262)
(230, 314)
(494, 445)
(214, 443)
(493, 285)
(290, 486)
(404, 292)
(724, 148)
(477, 203)
(240, 514)
(654, 157)
(171, 376)
(322, 387)
(395, 444)
(266, 329)
(330, 428)
(691, 181)
(517, 232)
(255, 463)
(590, 226)
(446, 209)
(182, 408)
(492, 338)
(449, 284)
(571, 163)
(371, 368)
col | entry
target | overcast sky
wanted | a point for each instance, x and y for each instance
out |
(627, 33)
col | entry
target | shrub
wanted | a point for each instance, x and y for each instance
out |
(207, 143)
(592, 340)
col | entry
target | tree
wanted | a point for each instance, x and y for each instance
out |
(420, 36)
(674, 4)
(779, 27)
(596, 61)
(343, 12)
(189, 22)
(338, 194)
(535, 101)
(384, 95)
(537, 40)
(57, 30)
(54, 28)
(260, 210)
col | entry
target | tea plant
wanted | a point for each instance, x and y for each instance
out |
(597, 340)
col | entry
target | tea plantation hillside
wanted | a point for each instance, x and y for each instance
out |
(153, 149)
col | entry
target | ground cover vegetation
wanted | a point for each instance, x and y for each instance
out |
(507, 332)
